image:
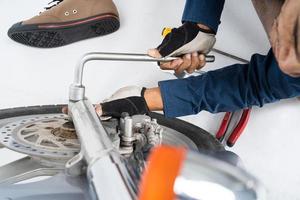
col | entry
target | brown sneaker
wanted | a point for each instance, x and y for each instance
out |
(67, 21)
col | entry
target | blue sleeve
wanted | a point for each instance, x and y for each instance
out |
(207, 12)
(228, 89)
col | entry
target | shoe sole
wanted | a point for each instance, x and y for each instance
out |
(60, 34)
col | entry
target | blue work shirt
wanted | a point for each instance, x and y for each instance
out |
(206, 12)
(231, 88)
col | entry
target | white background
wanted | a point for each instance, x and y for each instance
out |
(30, 76)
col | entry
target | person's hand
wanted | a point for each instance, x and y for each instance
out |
(285, 38)
(191, 41)
(128, 99)
(131, 99)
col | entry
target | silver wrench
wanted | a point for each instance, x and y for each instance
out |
(77, 89)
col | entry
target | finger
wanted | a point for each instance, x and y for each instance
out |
(298, 37)
(64, 110)
(273, 34)
(154, 53)
(98, 109)
(285, 34)
(202, 61)
(274, 38)
(287, 20)
(173, 65)
(165, 65)
(187, 61)
(194, 63)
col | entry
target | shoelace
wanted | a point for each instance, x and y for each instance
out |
(53, 3)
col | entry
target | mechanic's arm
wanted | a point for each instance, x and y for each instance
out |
(228, 89)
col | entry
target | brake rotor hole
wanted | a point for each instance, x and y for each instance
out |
(48, 143)
(31, 125)
(69, 145)
(32, 138)
(49, 121)
(49, 128)
(26, 132)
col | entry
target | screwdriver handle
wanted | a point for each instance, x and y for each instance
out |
(210, 58)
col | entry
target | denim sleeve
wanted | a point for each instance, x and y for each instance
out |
(207, 12)
(228, 89)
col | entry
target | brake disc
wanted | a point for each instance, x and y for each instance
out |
(52, 136)
(50, 140)
(48, 136)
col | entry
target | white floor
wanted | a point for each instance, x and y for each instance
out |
(29, 76)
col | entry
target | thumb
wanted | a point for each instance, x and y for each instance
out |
(154, 53)
(98, 109)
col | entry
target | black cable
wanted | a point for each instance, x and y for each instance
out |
(230, 55)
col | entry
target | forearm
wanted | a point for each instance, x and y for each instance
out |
(153, 99)
(229, 89)
(206, 12)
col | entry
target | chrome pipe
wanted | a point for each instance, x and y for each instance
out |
(93, 138)
(216, 179)
(105, 170)
(112, 57)
(120, 57)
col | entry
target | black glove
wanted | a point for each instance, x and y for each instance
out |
(133, 105)
(186, 39)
